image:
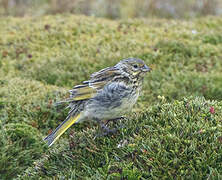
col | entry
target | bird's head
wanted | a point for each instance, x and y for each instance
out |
(133, 67)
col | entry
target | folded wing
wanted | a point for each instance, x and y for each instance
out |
(98, 80)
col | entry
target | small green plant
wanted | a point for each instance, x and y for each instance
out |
(173, 131)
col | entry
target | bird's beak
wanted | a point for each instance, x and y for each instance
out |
(146, 68)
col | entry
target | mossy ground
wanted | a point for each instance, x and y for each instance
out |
(175, 128)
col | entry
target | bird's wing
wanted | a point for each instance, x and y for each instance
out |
(98, 80)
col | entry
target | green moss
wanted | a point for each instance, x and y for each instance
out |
(42, 58)
(213, 39)
(21, 145)
(180, 139)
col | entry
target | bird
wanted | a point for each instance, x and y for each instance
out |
(106, 96)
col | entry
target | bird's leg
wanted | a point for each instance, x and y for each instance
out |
(108, 131)
(105, 129)
(115, 120)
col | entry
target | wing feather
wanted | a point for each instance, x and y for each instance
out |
(88, 89)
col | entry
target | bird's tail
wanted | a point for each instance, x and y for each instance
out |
(53, 136)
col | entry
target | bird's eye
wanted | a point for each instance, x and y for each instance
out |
(135, 66)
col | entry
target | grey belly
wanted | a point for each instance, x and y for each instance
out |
(110, 103)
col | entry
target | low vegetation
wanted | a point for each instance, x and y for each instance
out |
(173, 131)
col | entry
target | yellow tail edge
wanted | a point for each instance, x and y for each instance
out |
(53, 136)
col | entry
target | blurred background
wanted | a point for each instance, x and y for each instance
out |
(113, 9)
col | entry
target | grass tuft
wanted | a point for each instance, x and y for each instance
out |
(174, 130)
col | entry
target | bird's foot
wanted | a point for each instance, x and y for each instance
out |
(115, 120)
(105, 130)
